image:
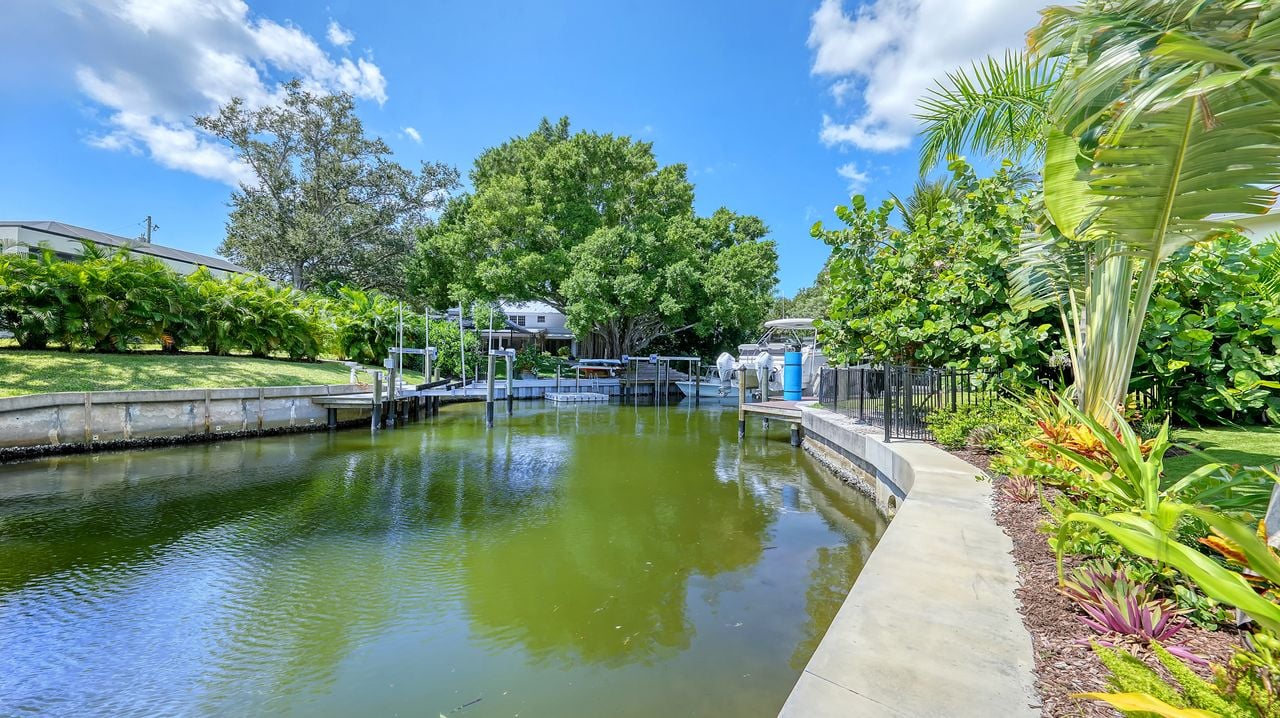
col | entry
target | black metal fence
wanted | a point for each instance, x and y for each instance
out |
(899, 399)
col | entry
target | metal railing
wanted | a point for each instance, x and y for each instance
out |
(899, 398)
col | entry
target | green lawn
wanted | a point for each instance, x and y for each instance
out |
(1251, 446)
(24, 372)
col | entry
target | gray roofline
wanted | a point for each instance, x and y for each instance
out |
(70, 231)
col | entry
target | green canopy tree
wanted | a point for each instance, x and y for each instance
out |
(326, 202)
(592, 225)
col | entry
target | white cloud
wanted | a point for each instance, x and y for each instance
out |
(339, 35)
(413, 134)
(884, 56)
(152, 64)
(856, 178)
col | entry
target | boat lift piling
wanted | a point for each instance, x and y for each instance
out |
(509, 355)
(661, 376)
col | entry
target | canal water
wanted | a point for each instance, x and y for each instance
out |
(574, 561)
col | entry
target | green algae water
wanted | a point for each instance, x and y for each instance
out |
(579, 561)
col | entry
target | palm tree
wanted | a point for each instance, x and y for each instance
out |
(1155, 118)
(926, 200)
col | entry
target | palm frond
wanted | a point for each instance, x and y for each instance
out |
(926, 200)
(996, 107)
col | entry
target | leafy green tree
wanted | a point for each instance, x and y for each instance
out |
(810, 301)
(326, 202)
(593, 226)
(938, 294)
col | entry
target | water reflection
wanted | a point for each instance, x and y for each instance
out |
(291, 574)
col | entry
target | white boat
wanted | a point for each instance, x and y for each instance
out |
(764, 358)
(709, 387)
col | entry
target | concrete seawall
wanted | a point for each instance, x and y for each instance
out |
(931, 626)
(70, 420)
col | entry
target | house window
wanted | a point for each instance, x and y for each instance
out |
(520, 319)
(542, 319)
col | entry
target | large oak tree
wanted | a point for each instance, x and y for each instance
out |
(326, 202)
(592, 225)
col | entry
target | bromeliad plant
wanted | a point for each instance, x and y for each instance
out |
(1122, 469)
(1151, 538)
(1124, 611)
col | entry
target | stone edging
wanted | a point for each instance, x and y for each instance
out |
(931, 625)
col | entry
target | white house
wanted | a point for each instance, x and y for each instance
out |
(64, 240)
(537, 322)
(517, 324)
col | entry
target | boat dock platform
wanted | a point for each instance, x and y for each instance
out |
(575, 396)
(780, 409)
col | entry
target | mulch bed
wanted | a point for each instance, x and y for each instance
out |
(1063, 665)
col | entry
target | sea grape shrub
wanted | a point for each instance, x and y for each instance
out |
(938, 293)
(1210, 348)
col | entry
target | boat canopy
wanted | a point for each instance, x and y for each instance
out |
(798, 323)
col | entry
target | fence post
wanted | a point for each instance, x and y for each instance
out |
(888, 404)
(952, 374)
(862, 393)
(909, 428)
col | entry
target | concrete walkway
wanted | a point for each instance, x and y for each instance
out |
(931, 626)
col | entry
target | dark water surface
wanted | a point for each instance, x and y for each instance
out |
(581, 561)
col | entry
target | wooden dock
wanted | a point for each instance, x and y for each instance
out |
(782, 410)
(768, 409)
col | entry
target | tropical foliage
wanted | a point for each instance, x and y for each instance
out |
(113, 303)
(1210, 348)
(1157, 121)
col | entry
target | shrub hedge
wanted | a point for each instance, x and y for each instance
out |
(112, 302)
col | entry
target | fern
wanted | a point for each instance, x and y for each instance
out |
(1130, 675)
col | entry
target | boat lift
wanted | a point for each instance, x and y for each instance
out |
(510, 356)
(662, 374)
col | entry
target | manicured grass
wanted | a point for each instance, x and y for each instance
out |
(1249, 446)
(25, 372)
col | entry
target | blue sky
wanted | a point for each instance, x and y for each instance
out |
(779, 108)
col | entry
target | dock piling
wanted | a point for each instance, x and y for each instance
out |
(742, 400)
(511, 382)
(488, 394)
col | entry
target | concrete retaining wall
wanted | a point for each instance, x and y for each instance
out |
(98, 417)
(931, 626)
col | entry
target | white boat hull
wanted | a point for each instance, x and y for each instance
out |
(707, 390)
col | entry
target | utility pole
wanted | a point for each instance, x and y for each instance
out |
(151, 227)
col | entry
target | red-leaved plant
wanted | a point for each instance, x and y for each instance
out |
(1123, 611)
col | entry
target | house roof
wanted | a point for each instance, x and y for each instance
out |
(528, 307)
(71, 231)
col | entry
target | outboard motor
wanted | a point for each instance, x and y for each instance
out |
(726, 365)
(764, 368)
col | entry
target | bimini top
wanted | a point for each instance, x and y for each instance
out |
(797, 323)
